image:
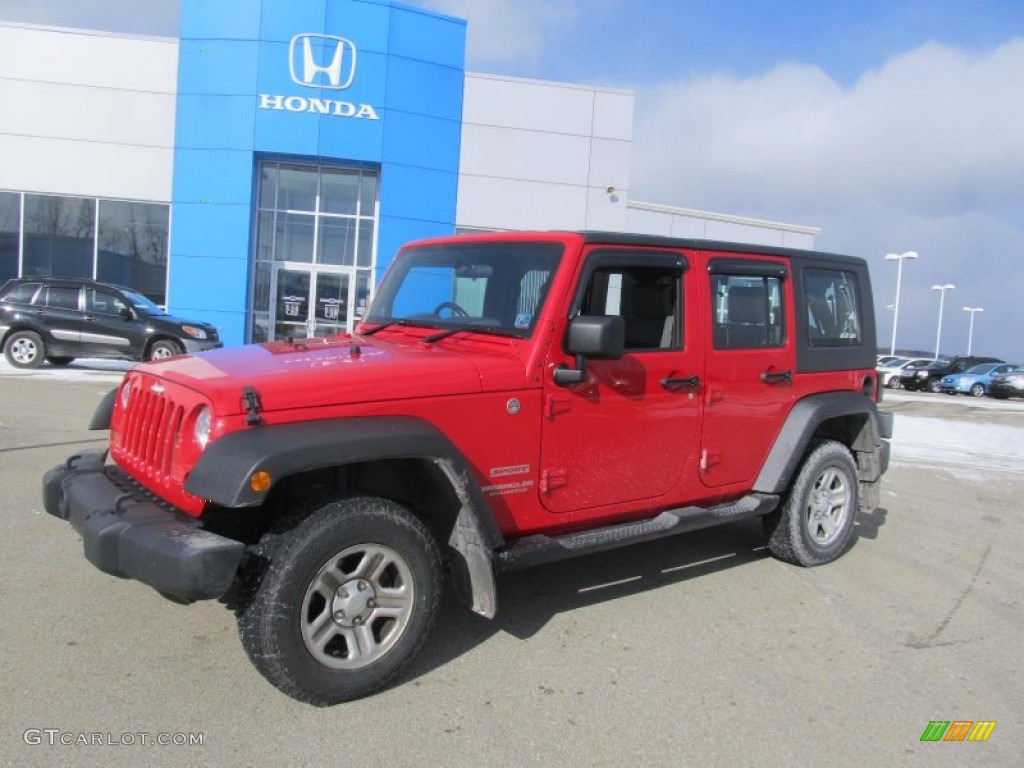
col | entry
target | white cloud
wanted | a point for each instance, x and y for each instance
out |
(933, 130)
(925, 153)
(510, 31)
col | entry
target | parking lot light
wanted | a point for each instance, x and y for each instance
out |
(942, 300)
(970, 331)
(899, 258)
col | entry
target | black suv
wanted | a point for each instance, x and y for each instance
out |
(59, 319)
(927, 377)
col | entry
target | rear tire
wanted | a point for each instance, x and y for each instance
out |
(25, 349)
(346, 602)
(933, 385)
(894, 383)
(977, 390)
(816, 520)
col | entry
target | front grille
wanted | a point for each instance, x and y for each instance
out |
(151, 427)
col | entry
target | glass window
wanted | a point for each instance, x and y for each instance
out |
(748, 311)
(337, 241)
(368, 194)
(297, 189)
(21, 294)
(294, 237)
(133, 239)
(59, 297)
(367, 237)
(59, 236)
(833, 318)
(339, 191)
(103, 302)
(268, 185)
(10, 234)
(647, 298)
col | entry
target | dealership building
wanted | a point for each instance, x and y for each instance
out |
(260, 170)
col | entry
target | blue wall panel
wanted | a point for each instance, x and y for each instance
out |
(218, 66)
(228, 121)
(224, 19)
(244, 90)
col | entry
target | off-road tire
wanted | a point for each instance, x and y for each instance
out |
(25, 349)
(815, 522)
(351, 544)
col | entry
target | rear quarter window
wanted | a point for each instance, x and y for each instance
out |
(21, 293)
(833, 308)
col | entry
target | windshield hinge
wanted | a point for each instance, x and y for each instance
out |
(253, 406)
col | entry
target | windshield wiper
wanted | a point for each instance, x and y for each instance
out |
(381, 327)
(467, 329)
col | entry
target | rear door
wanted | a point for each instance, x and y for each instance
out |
(58, 308)
(750, 365)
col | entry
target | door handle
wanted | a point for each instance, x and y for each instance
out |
(683, 383)
(776, 377)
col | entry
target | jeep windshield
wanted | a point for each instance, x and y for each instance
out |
(487, 287)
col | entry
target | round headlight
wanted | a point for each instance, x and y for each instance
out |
(126, 393)
(204, 423)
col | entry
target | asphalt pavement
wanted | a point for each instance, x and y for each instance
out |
(698, 650)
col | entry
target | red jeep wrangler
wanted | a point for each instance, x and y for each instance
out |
(508, 400)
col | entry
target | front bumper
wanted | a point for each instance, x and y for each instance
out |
(192, 346)
(127, 533)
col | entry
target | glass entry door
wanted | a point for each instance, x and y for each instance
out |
(307, 301)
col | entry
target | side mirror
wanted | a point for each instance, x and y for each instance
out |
(599, 337)
(126, 313)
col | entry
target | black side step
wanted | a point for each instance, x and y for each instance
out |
(539, 549)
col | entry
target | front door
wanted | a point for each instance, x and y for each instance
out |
(626, 434)
(307, 301)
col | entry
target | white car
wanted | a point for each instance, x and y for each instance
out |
(889, 373)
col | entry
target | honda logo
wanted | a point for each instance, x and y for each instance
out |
(322, 61)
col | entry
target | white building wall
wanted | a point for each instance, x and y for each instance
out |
(652, 219)
(87, 113)
(542, 155)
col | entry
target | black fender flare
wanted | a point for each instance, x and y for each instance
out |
(803, 420)
(101, 416)
(222, 476)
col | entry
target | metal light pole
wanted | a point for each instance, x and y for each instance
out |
(898, 257)
(970, 333)
(942, 300)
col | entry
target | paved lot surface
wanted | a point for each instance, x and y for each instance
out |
(700, 650)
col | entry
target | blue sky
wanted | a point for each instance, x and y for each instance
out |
(892, 126)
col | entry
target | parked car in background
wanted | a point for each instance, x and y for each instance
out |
(59, 319)
(974, 381)
(1009, 384)
(889, 372)
(928, 378)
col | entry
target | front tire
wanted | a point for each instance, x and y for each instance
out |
(893, 383)
(25, 349)
(816, 520)
(346, 602)
(164, 348)
(934, 386)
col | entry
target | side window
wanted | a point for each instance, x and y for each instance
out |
(21, 294)
(103, 302)
(833, 316)
(647, 298)
(748, 311)
(60, 297)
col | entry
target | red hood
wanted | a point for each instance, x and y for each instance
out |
(331, 371)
